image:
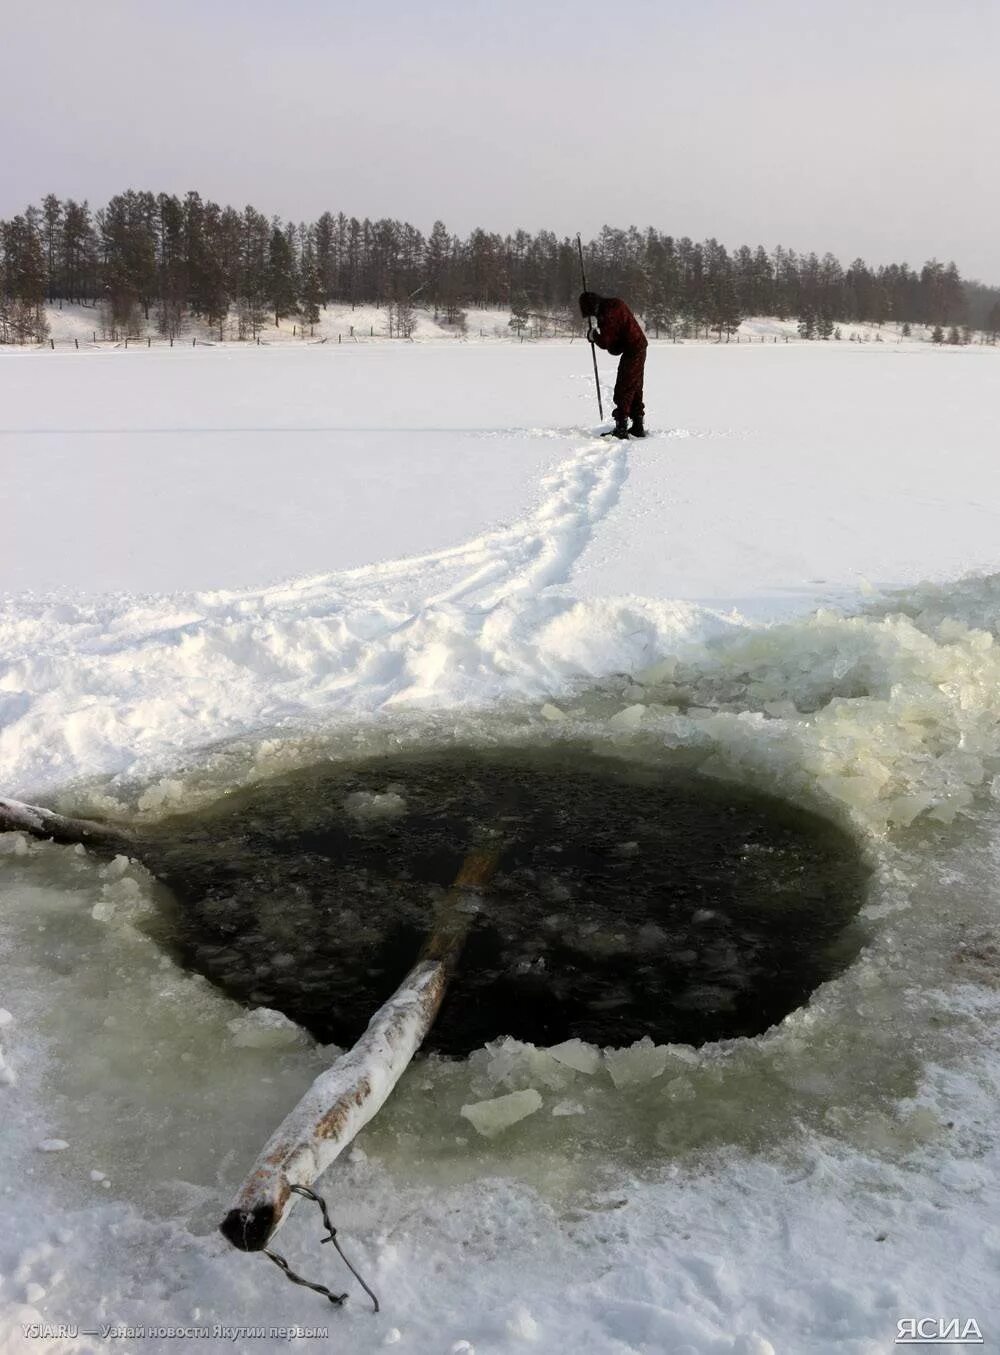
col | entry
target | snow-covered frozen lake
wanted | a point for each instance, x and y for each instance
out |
(225, 563)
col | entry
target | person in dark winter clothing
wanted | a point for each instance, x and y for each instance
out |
(614, 328)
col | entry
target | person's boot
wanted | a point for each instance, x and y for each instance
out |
(620, 429)
(638, 429)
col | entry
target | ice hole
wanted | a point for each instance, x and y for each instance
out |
(630, 901)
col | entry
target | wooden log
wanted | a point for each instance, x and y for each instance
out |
(343, 1099)
(17, 817)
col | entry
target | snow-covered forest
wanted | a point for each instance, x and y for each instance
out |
(146, 256)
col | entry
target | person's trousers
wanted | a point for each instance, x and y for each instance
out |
(628, 385)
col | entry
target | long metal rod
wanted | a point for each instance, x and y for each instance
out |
(593, 347)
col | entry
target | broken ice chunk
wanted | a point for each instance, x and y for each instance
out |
(781, 710)
(14, 844)
(264, 1028)
(657, 672)
(52, 1145)
(363, 804)
(627, 849)
(640, 1062)
(568, 1108)
(629, 718)
(905, 808)
(490, 1118)
(854, 791)
(582, 1058)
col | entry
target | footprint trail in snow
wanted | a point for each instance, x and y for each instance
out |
(106, 684)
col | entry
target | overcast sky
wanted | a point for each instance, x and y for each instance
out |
(863, 128)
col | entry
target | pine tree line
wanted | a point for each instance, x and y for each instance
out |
(147, 255)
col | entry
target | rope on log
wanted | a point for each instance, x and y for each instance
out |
(343, 1099)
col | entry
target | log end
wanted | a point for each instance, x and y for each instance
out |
(249, 1230)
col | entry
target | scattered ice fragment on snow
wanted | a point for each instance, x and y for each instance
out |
(34, 1292)
(52, 1145)
(522, 1325)
(97, 1176)
(463, 1348)
(264, 1028)
(568, 1108)
(5, 1017)
(490, 1118)
(392, 1336)
(575, 1054)
(551, 712)
(752, 1345)
(964, 1176)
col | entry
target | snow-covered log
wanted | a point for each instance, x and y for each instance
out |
(344, 1098)
(17, 817)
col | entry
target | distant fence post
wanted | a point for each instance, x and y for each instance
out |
(149, 341)
(194, 343)
(77, 342)
(52, 344)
